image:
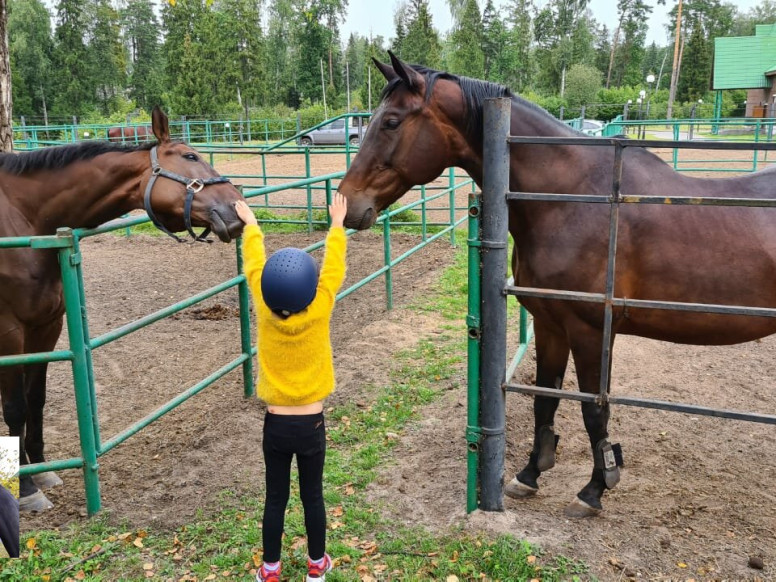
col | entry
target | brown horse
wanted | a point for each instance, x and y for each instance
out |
(135, 134)
(429, 120)
(83, 185)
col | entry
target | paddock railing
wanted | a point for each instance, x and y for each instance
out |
(82, 344)
(488, 378)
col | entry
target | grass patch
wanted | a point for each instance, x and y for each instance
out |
(226, 544)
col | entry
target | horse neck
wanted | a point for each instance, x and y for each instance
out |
(88, 193)
(526, 161)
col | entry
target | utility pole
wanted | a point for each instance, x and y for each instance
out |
(675, 69)
(323, 88)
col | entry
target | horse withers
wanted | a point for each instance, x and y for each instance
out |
(84, 185)
(429, 120)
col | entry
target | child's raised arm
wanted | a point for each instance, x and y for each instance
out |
(333, 269)
(254, 255)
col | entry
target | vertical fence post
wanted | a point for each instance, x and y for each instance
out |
(387, 260)
(423, 213)
(243, 293)
(451, 186)
(69, 259)
(473, 355)
(493, 349)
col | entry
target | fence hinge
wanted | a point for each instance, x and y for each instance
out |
(75, 259)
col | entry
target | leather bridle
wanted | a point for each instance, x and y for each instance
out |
(193, 185)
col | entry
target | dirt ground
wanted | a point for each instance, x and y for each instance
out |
(697, 498)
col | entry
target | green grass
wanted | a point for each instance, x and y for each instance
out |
(226, 544)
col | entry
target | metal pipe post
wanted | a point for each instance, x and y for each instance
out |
(68, 261)
(493, 250)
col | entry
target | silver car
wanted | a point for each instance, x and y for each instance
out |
(334, 134)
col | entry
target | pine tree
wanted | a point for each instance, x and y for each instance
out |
(421, 45)
(75, 87)
(107, 56)
(31, 47)
(141, 32)
(467, 56)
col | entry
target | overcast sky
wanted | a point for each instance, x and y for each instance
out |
(364, 15)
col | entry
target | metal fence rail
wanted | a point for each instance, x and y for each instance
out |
(486, 436)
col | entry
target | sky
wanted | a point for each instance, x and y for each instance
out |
(366, 15)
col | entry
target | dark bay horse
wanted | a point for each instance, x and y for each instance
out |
(429, 120)
(136, 134)
(83, 185)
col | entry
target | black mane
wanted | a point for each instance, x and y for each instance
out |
(475, 91)
(58, 157)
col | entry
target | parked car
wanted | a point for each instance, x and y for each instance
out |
(334, 134)
(592, 126)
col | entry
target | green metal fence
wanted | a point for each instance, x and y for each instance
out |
(82, 344)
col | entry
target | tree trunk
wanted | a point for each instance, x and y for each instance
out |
(6, 123)
(611, 54)
(675, 68)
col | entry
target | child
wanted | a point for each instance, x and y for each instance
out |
(296, 372)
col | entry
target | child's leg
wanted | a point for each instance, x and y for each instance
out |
(310, 460)
(277, 465)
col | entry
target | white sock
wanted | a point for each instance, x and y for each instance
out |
(271, 566)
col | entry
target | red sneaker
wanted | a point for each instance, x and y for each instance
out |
(318, 573)
(264, 575)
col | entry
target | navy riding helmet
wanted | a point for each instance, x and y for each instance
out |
(289, 281)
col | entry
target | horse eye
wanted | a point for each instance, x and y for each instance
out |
(191, 157)
(391, 123)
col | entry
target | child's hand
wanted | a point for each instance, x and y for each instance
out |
(244, 212)
(338, 209)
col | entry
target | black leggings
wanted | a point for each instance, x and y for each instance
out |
(284, 437)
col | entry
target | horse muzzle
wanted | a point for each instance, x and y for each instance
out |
(225, 223)
(361, 222)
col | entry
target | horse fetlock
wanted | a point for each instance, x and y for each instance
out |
(608, 458)
(545, 445)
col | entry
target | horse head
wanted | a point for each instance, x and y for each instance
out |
(193, 194)
(412, 137)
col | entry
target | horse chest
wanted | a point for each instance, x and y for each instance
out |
(30, 286)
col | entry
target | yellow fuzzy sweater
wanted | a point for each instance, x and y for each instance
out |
(295, 358)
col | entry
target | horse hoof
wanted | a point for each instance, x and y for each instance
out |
(517, 490)
(35, 503)
(579, 508)
(46, 480)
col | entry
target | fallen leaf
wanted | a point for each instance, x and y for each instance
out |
(31, 543)
(338, 511)
(451, 578)
(349, 489)
(80, 575)
(138, 543)
(531, 559)
(148, 566)
(681, 564)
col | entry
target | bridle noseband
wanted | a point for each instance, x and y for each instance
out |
(193, 185)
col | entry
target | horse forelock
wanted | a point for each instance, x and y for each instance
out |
(55, 158)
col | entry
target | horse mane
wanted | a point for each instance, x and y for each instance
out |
(474, 92)
(58, 157)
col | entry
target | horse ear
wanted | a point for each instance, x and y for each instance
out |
(386, 70)
(160, 125)
(409, 75)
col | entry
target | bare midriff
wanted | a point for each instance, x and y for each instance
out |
(313, 408)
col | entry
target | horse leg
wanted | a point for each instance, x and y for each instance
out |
(42, 340)
(587, 350)
(14, 413)
(552, 354)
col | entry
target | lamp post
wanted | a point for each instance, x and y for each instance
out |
(640, 101)
(692, 117)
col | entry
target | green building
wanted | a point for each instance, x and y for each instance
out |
(748, 62)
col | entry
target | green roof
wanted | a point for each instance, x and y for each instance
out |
(740, 62)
